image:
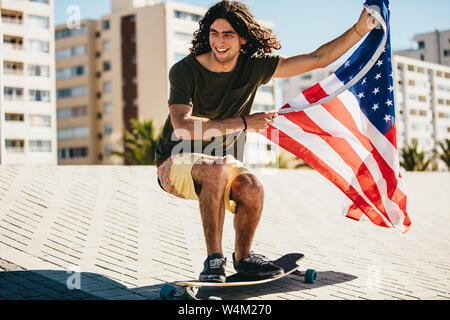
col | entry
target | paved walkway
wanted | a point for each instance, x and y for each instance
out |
(109, 232)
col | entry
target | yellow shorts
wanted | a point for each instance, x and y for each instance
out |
(175, 176)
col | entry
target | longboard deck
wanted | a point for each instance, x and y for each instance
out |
(288, 262)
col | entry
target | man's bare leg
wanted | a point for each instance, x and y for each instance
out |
(248, 193)
(211, 179)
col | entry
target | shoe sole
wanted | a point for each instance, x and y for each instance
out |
(213, 278)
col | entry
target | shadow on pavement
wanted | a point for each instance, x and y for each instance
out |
(288, 284)
(63, 285)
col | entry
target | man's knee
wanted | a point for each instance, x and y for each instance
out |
(206, 173)
(247, 189)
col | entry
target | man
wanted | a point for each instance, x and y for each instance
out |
(211, 95)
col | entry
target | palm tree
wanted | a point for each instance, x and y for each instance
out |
(413, 160)
(445, 154)
(284, 163)
(139, 144)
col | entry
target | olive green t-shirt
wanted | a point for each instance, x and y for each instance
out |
(214, 95)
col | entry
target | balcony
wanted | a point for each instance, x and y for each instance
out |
(15, 146)
(13, 94)
(12, 16)
(13, 68)
(12, 42)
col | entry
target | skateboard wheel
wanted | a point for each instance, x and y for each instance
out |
(168, 292)
(310, 276)
(214, 298)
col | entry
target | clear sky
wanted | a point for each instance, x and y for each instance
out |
(304, 25)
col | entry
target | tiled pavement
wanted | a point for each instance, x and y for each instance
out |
(109, 232)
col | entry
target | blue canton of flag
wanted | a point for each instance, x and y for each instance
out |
(375, 91)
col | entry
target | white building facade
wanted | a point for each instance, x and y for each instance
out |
(28, 100)
(422, 99)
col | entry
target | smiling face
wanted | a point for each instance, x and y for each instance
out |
(225, 42)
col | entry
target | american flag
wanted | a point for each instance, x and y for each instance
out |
(344, 128)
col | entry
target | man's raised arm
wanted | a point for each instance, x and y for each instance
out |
(328, 53)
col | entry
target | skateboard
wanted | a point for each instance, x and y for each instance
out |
(288, 262)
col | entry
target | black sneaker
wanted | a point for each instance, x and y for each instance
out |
(258, 266)
(214, 270)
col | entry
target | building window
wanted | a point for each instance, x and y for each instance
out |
(37, 120)
(13, 94)
(105, 25)
(10, 67)
(67, 113)
(108, 128)
(71, 52)
(15, 145)
(107, 87)
(72, 133)
(35, 70)
(106, 45)
(187, 16)
(38, 46)
(446, 53)
(107, 108)
(179, 56)
(181, 36)
(72, 92)
(108, 149)
(14, 117)
(40, 146)
(106, 65)
(71, 72)
(421, 44)
(15, 43)
(70, 153)
(38, 21)
(39, 95)
(67, 33)
(267, 89)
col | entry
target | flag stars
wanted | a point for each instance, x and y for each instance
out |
(380, 63)
(361, 95)
(389, 103)
(347, 64)
(375, 107)
(364, 81)
(391, 88)
(378, 76)
(375, 91)
(387, 118)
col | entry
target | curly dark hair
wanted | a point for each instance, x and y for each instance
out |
(259, 40)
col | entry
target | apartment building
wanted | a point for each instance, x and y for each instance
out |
(116, 69)
(27, 98)
(422, 97)
(432, 47)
